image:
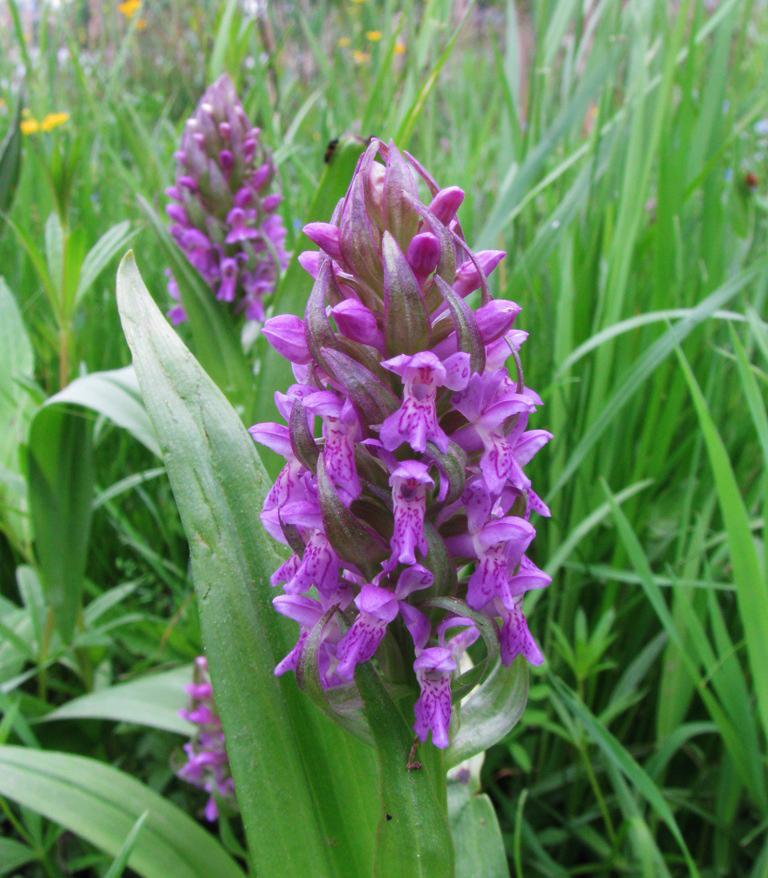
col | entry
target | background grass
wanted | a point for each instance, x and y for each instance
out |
(618, 153)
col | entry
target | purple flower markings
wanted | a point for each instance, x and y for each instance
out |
(418, 471)
(222, 211)
(207, 764)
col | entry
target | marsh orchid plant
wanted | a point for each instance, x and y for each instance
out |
(207, 763)
(223, 206)
(403, 498)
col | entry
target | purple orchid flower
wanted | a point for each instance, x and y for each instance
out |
(207, 764)
(405, 446)
(221, 217)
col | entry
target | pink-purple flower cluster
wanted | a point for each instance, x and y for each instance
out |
(222, 209)
(414, 490)
(207, 764)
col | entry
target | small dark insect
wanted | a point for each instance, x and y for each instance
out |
(330, 150)
(751, 180)
(412, 764)
(387, 816)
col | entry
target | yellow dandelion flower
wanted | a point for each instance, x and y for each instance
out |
(343, 42)
(29, 126)
(374, 35)
(399, 48)
(141, 23)
(358, 1)
(360, 57)
(129, 8)
(2, 104)
(53, 120)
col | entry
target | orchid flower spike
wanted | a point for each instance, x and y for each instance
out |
(207, 763)
(405, 445)
(223, 206)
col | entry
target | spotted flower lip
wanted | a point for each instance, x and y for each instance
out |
(223, 216)
(404, 497)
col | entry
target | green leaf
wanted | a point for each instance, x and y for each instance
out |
(10, 161)
(152, 701)
(413, 839)
(491, 711)
(60, 485)
(107, 247)
(13, 855)
(615, 752)
(16, 406)
(121, 860)
(749, 578)
(102, 805)
(114, 394)
(293, 768)
(647, 364)
(476, 834)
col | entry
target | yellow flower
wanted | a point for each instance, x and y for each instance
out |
(374, 35)
(399, 48)
(360, 57)
(343, 42)
(53, 120)
(129, 8)
(358, 1)
(141, 23)
(29, 126)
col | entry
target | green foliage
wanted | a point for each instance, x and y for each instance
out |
(103, 805)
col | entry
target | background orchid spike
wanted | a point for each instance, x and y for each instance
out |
(207, 764)
(222, 209)
(403, 497)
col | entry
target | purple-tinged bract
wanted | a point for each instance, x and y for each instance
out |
(223, 207)
(207, 764)
(405, 440)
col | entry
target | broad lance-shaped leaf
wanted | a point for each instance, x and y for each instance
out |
(291, 766)
(491, 711)
(476, 833)
(413, 839)
(102, 804)
(114, 394)
(60, 486)
(405, 315)
(154, 701)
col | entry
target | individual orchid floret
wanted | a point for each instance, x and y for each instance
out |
(434, 667)
(207, 764)
(404, 496)
(377, 608)
(222, 213)
(409, 496)
(415, 422)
